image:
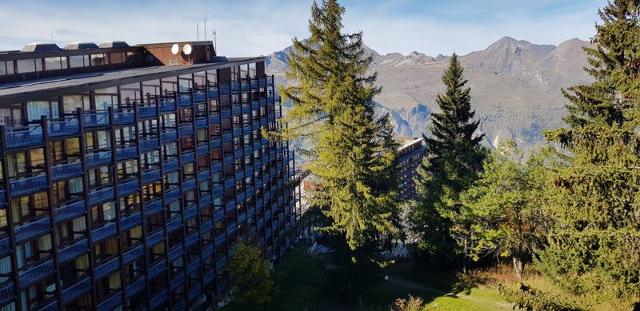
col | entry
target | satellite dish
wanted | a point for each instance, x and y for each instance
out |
(187, 49)
(175, 49)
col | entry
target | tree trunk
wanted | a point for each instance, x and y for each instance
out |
(518, 266)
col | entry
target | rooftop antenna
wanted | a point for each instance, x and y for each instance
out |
(215, 38)
(205, 29)
(197, 31)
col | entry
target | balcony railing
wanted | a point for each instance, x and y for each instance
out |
(32, 275)
(107, 268)
(76, 290)
(73, 251)
(66, 171)
(94, 119)
(99, 196)
(67, 127)
(99, 158)
(28, 185)
(123, 117)
(33, 229)
(147, 112)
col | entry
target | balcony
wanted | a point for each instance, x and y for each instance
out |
(190, 212)
(201, 123)
(189, 185)
(185, 130)
(202, 150)
(215, 143)
(195, 292)
(175, 253)
(216, 168)
(73, 251)
(208, 278)
(133, 254)
(171, 196)
(174, 225)
(192, 239)
(7, 293)
(99, 196)
(68, 127)
(220, 264)
(235, 86)
(171, 166)
(230, 207)
(155, 238)
(225, 89)
(232, 228)
(206, 226)
(5, 247)
(167, 105)
(177, 281)
(149, 177)
(110, 303)
(28, 185)
(124, 117)
(98, 158)
(157, 268)
(69, 211)
(147, 112)
(107, 268)
(213, 92)
(33, 274)
(168, 136)
(128, 187)
(205, 201)
(219, 214)
(96, 119)
(188, 157)
(185, 100)
(220, 239)
(104, 232)
(33, 229)
(126, 153)
(158, 299)
(199, 96)
(152, 207)
(149, 145)
(66, 171)
(136, 287)
(128, 222)
(76, 290)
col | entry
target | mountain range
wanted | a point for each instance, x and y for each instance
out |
(515, 86)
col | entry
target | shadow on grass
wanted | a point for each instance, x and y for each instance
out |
(303, 283)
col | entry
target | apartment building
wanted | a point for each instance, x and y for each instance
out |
(410, 156)
(128, 173)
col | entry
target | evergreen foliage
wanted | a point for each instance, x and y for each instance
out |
(594, 244)
(251, 276)
(353, 152)
(451, 164)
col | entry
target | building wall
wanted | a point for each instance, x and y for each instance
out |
(132, 197)
(409, 159)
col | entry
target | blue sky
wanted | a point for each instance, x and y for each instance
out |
(259, 27)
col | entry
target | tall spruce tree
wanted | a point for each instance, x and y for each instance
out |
(352, 152)
(451, 164)
(594, 245)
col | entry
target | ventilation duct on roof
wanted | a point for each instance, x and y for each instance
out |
(80, 46)
(114, 44)
(40, 47)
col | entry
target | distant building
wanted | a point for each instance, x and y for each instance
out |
(409, 158)
(128, 173)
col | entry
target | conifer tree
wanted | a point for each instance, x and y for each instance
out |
(451, 164)
(594, 245)
(352, 152)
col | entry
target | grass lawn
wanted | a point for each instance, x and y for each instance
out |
(301, 279)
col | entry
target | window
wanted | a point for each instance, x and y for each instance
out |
(105, 250)
(37, 109)
(3, 68)
(26, 65)
(103, 214)
(70, 231)
(212, 78)
(78, 61)
(55, 63)
(33, 251)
